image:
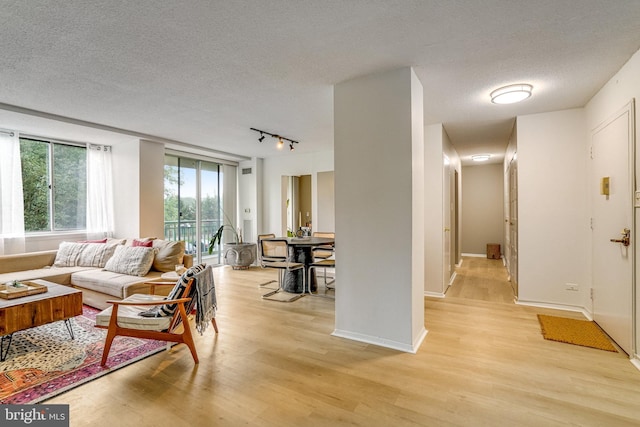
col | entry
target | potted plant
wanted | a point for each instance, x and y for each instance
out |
(237, 254)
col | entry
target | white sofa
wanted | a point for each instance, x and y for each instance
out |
(96, 283)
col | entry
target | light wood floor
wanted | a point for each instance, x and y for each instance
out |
(482, 279)
(482, 363)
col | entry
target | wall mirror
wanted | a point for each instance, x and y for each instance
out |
(297, 207)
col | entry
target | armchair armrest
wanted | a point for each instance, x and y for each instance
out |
(158, 302)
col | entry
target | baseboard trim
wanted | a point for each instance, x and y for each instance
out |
(381, 342)
(553, 306)
(452, 278)
(434, 294)
(636, 362)
(475, 255)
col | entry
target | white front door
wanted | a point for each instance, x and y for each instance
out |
(612, 154)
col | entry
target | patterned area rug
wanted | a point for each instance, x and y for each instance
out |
(574, 331)
(43, 362)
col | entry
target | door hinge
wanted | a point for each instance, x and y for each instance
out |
(591, 152)
(591, 223)
(591, 293)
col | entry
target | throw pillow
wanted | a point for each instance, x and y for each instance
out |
(131, 242)
(169, 254)
(142, 243)
(95, 255)
(134, 261)
(112, 241)
(176, 293)
(67, 255)
(72, 254)
(93, 241)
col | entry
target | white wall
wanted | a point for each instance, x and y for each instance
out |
(553, 227)
(151, 190)
(126, 188)
(448, 211)
(376, 124)
(434, 221)
(289, 164)
(483, 207)
(619, 90)
(138, 189)
(326, 219)
(248, 200)
(437, 145)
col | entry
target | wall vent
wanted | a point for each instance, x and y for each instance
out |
(246, 171)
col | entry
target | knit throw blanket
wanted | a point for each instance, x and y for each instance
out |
(205, 299)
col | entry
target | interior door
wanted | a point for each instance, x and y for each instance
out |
(612, 212)
(446, 214)
(513, 225)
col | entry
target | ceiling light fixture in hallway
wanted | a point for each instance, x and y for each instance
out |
(511, 94)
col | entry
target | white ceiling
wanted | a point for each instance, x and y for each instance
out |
(204, 72)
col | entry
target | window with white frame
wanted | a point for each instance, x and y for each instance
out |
(54, 180)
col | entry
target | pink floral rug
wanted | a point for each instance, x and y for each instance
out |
(43, 362)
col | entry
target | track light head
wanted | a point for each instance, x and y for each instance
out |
(281, 139)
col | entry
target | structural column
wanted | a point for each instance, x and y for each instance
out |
(379, 201)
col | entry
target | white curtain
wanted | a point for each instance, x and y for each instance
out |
(99, 191)
(11, 202)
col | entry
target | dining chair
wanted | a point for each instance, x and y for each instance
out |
(271, 253)
(323, 251)
(273, 249)
(324, 264)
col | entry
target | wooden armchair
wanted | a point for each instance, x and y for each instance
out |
(157, 317)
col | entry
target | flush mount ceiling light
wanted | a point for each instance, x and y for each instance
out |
(511, 94)
(280, 139)
(480, 157)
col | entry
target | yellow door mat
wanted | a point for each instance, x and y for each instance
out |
(573, 331)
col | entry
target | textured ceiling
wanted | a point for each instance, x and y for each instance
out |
(204, 72)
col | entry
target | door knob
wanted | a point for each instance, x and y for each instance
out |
(626, 237)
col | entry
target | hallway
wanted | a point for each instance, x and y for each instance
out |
(482, 279)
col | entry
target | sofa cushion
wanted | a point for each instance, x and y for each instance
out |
(133, 260)
(72, 254)
(169, 254)
(60, 275)
(26, 261)
(143, 243)
(129, 317)
(116, 284)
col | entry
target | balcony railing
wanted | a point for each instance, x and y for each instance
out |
(186, 230)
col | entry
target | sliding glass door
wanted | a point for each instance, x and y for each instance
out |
(193, 204)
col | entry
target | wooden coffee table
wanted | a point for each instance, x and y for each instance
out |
(58, 303)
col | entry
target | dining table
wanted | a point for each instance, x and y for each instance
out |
(301, 250)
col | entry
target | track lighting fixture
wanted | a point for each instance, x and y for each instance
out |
(281, 139)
